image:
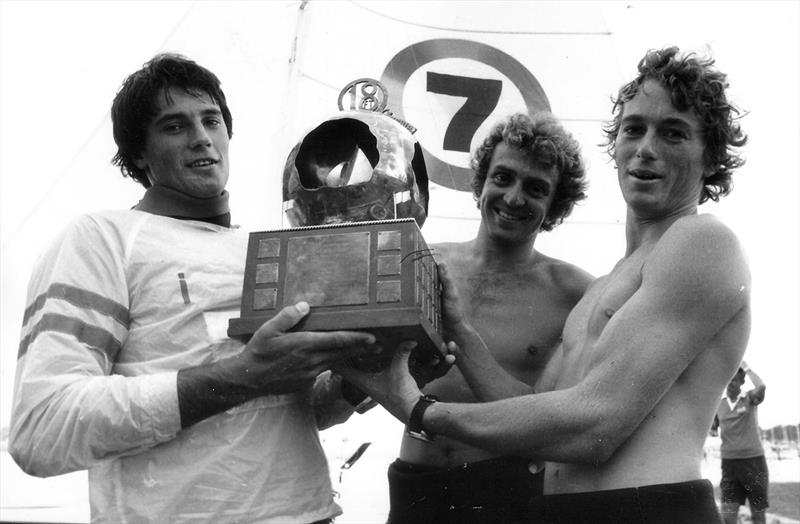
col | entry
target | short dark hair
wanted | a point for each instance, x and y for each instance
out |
(135, 105)
(549, 145)
(693, 83)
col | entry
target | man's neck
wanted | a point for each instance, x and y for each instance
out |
(499, 254)
(165, 201)
(643, 230)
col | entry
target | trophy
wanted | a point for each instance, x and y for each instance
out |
(355, 190)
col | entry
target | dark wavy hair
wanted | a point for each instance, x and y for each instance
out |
(549, 145)
(135, 105)
(695, 84)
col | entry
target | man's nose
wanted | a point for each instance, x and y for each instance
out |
(513, 196)
(646, 148)
(199, 137)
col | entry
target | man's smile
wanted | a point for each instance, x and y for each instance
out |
(202, 162)
(644, 174)
(514, 217)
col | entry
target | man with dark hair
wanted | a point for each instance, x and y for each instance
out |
(528, 175)
(623, 409)
(744, 469)
(125, 367)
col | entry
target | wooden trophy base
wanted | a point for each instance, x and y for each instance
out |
(374, 276)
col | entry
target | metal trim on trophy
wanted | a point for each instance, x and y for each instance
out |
(355, 190)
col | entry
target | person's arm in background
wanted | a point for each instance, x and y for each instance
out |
(755, 395)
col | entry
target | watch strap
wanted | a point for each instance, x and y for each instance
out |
(414, 427)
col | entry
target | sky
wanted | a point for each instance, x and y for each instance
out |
(61, 62)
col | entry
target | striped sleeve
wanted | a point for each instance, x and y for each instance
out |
(69, 411)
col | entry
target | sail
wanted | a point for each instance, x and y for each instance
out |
(452, 72)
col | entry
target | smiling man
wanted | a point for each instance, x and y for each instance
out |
(125, 367)
(623, 409)
(528, 175)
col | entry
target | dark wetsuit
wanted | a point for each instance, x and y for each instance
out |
(680, 503)
(494, 491)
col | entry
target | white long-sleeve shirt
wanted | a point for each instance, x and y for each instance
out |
(120, 303)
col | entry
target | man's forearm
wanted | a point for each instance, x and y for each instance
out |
(755, 379)
(759, 389)
(526, 426)
(73, 421)
(204, 391)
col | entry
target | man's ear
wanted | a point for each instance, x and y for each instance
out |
(140, 162)
(708, 169)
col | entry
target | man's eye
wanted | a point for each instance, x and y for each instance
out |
(501, 178)
(632, 130)
(538, 191)
(675, 134)
(172, 128)
(213, 122)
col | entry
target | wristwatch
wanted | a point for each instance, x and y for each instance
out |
(414, 427)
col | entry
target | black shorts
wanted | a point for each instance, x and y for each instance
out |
(745, 479)
(680, 503)
(494, 491)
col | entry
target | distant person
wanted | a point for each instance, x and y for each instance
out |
(624, 407)
(744, 468)
(528, 174)
(125, 367)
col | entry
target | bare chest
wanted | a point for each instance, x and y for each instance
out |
(519, 319)
(591, 316)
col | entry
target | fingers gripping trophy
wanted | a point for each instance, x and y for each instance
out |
(355, 191)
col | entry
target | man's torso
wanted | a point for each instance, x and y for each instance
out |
(183, 283)
(667, 444)
(519, 314)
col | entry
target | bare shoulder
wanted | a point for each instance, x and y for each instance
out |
(443, 250)
(451, 253)
(701, 227)
(571, 279)
(700, 256)
(703, 243)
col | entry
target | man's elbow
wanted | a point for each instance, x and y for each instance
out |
(29, 460)
(602, 449)
(759, 393)
(594, 449)
(34, 455)
(598, 445)
(588, 448)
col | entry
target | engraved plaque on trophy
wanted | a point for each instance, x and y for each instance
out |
(356, 190)
(373, 276)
